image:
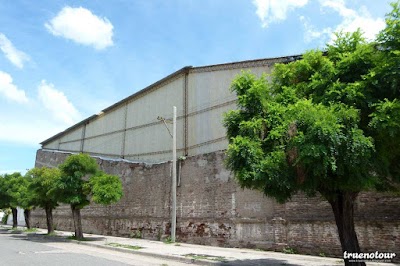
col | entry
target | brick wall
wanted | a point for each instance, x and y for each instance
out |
(213, 210)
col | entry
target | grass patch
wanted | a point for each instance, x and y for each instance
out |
(168, 240)
(117, 245)
(136, 234)
(31, 230)
(78, 239)
(289, 250)
(205, 257)
(16, 230)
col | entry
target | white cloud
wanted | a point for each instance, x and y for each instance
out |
(351, 21)
(44, 117)
(13, 54)
(270, 11)
(9, 90)
(312, 33)
(56, 102)
(82, 26)
(339, 6)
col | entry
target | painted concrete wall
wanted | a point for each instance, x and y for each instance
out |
(213, 210)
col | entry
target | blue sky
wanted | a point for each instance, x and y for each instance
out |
(62, 61)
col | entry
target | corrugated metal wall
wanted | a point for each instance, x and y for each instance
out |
(71, 141)
(209, 98)
(132, 131)
(147, 138)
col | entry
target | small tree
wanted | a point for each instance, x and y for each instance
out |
(323, 124)
(82, 180)
(5, 198)
(105, 189)
(43, 190)
(11, 187)
(25, 199)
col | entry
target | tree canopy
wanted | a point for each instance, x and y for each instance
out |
(105, 189)
(323, 123)
(44, 191)
(77, 182)
(13, 193)
(12, 187)
(327, 123)
(43, 186)
(81, 180)
(5, 198)
(73, 184)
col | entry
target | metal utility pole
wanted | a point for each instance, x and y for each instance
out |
(173, 192)
(173, 222)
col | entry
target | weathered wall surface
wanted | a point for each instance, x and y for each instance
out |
(213, 210)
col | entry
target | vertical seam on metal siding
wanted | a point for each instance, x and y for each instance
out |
(185, 114)
(83, 137)
(124, 132)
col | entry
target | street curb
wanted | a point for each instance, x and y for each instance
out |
(126, 250)
(161, 256)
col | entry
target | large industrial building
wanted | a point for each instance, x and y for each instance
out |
(130, 141)
(130, 129)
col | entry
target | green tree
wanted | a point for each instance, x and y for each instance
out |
(81, 180)
(5, 198)
(25, 199)
(14, 193)
(385, 82)
(43, 191)
(11, 187)
(327, 124)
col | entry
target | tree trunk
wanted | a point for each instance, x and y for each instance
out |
(27, 214)
(343, 209)
(15, 217)
(49, 220)
(76, 215)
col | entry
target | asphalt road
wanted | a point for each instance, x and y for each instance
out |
(17, 249)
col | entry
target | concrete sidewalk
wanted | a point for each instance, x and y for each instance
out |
(198, 254)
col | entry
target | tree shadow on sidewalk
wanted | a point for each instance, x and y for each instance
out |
(42, 238)
(257, 262)
(45, 238)
(11, 231)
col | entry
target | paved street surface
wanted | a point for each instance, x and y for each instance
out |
(19, 248)
(32, 250)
